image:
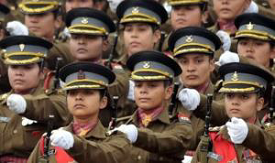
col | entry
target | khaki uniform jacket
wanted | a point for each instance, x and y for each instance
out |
(162, 140)
(18, 139)
(95, 147)
(261, 141)
(197, 123)
(59, 49)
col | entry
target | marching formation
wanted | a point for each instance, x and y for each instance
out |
(137, 81)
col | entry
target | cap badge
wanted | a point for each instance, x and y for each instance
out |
(84, 21)
(80, 75)
(135, 10)
(235, 76)
(249, 26)
(21, 47)
(189, 39)
(146, 65)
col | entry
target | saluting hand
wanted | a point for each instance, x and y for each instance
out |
(189, 98)
(237, 130)
(62, 138)
(16, 103)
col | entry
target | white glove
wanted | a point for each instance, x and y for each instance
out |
(237, 130)
(26, 121)
(228, 57)
(17, 103)
(167, 7)
(66, 32)
(189, 98)
(17, 28)
(62, 138)
(131, 92)
(225, 39)
(253, 8)
(113, 4)
(130, 131)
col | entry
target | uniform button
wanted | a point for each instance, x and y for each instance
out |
(15, 131)
(161, 158)
(139, 157)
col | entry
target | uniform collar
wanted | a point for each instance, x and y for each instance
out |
(99, 132)
(162, 117)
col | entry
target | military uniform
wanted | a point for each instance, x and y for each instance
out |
(85, 149)
(59, 49)
(160, 138)
(149, 12)
(194, 40)
(175, 3)
(21, 132)
(93, 145)
(87, 21)
(241, 78)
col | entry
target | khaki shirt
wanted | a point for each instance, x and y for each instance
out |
(197, 123)
(162, 141)
(96, 146)
(19, 139)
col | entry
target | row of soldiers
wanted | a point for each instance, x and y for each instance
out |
(148, 106)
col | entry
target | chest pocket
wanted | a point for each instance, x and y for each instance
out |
(26, 137)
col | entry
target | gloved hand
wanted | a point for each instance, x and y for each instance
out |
(62, 138)
(131, 92)
(66, 32)
(17, 28)
(130, 131)
(237, 130)
(26, 121)
(225, 39)
(16, 103)
(113, 4)
(253, 8)
(189, 98)
(228, 57)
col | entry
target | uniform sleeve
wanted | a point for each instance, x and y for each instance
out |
(261, 141)
(169, 142)
(218, 113)
(114, 149)
(41, 106)
(33, 158)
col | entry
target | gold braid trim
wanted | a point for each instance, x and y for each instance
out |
(193, 44)
(82, 87)
(201, 50)
(255, 33)
(41, 55)
(240, 90)
(87, 28)
(176, 2)
(139, 17)
(9, 61)
(135, 77)
(97, 82)
(50, 6)
(166, 74)
(256, 84)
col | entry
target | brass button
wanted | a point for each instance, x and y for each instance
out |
(15, 131)
(139, 157)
